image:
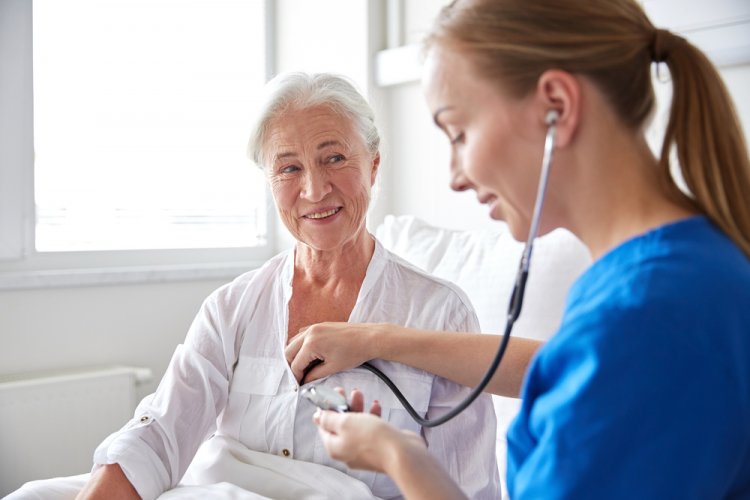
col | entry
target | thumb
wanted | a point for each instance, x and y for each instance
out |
(303, 362)
(329, 421)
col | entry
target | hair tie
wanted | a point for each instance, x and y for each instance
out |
(663, 43)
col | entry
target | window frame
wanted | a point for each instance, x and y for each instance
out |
(21, 266)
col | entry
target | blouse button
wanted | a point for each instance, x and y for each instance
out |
(285, 452)
(144, 419)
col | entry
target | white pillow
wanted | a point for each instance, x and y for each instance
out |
(484, 264)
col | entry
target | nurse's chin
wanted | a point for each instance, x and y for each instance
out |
(496, 212)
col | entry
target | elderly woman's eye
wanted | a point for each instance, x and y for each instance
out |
(335, 158)
(289, 169)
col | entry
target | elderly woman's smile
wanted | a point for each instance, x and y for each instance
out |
(323, 214)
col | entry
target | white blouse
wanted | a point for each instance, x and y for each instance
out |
(230, 378)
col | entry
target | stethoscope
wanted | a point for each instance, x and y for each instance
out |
(328, 399)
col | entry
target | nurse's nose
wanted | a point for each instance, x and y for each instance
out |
(459, 181)
(316, 185)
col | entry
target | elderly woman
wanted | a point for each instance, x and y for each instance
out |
(230, 382)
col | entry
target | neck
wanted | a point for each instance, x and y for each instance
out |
(347, 262)
(615, 188)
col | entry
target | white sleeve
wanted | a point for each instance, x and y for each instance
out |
(155, 448)
(466, 443)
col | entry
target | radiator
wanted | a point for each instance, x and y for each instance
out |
(51, 423)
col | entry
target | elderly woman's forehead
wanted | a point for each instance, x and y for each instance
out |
(319, 118)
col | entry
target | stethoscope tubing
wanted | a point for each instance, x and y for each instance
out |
(516, 299)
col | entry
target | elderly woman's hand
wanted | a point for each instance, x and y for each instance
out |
(108, 482)
(329, 348)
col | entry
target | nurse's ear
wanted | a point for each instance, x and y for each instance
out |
(560, 91)
(374, 171)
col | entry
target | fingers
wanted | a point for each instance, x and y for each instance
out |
(294, 346)
(327, 341)
(329, 421)
(357, 401)
(375, 408)
(299, 367)
(304, 359)
(320, 371)
(333, 443)
(306, 372)
(306, 366)
(354, 438)
(298, 362)
(329, 425)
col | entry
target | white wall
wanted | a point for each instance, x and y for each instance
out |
(63, 328)
(737, 79)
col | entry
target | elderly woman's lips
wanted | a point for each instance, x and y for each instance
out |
(323, 214)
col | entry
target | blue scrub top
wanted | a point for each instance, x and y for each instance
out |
(645, 390)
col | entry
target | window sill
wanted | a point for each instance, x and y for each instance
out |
(104, 276)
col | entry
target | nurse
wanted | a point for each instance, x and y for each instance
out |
(644, 392)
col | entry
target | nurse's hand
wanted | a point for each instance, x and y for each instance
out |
(334, 346)
(348, 436)
(364, 441)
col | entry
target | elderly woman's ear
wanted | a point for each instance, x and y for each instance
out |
(375, 166)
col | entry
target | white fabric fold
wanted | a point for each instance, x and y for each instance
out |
(224, 468)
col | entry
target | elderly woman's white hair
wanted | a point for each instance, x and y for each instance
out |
(301, 91)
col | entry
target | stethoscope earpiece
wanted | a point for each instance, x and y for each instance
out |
(551, 117)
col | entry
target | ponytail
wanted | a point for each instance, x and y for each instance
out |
(704, 130)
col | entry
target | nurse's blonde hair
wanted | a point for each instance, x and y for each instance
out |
(613, 43)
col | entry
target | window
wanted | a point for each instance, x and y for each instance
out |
(141, 114)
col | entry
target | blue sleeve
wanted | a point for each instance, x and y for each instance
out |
(626, 405)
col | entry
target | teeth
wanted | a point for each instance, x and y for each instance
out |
(323, 215)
